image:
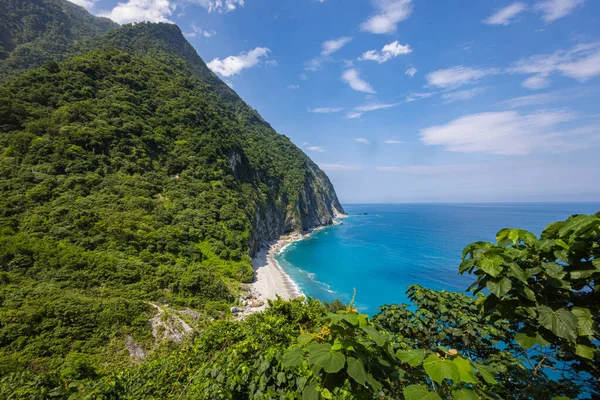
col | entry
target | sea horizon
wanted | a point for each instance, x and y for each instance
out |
(380, 249)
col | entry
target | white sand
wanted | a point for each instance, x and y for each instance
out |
(270, 280)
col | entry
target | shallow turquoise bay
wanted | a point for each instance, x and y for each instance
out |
(396, 245)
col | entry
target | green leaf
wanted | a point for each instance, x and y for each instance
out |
(439, 369)
(527, 341)
(517, 272)
(418, 392)
(356, 370)
(491, 265)
(374, 334)
(554, 270)
(337, 345)
(561, 322)
(467, 372)
(374, 383)
(499, 288)
(323, 356)
(292, 357)
(502, 234)
(326, 394)
(464, 394)
(585, 321)
(310, 392)
(584, 351)
(351, 317)
(487, 373)
(304, 338)
(411, 357)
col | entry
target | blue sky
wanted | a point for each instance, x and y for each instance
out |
(413, 100)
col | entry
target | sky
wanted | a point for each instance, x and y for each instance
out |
(413, 100)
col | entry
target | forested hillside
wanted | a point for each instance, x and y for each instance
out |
(135, 188)
(131, 176)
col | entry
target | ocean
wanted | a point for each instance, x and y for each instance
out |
(381, 249)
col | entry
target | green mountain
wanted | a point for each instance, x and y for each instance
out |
(35, 31)
(135, 188)
(130, 175)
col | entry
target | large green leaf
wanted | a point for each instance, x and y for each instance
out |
(292, 357)
(491, 265)
(584, 351)
(304, 338)
(310, 392)
(529, 340)
(411, 357)
(419, 392)
(322, 355)
(374, 334)
(499, 288)
(585, 321)
(439, 369)
(561, 322)
(467, 372)
(356, 370)
(487, 373)
(464, 394)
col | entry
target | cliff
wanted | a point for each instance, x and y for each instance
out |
(130, 175)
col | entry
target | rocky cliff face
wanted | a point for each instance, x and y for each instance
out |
(316, 205)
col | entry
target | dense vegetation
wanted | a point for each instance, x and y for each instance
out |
(135, 185)
(128, 181)
(446, 345)
(35, 31)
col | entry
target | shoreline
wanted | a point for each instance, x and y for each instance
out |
(270, 280)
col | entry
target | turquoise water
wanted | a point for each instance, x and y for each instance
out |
(396, 245)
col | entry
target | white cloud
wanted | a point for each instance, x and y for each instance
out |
(503, 133)
(233, 65)
(362, 140)
(220, 6)
(374, 106)
(303, 76)
(554, 9)
(411, 72)
(536, 82)
(461, 95)
(358, 111)
(324, 110)
(388, 51)
(353, 115)
(141, 10)
(314, 64)
(531, 100)
(340, 166)
(87, 4)
(413, 96)
(582, 62)
(457, 76)
(331, 46)
(387, 16)
(318, 149)
(393, 141)
(350, 76)
(293, 87)
(196, 30)
(505, 16)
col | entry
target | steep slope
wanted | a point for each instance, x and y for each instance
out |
(130, 174)
(35, 31)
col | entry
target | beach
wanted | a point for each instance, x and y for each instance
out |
(270, 280)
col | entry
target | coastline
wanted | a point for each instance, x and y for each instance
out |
(270, 280)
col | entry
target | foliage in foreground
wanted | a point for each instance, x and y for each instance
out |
(445, 345)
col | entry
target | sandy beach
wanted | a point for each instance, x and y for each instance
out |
(270, 279)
